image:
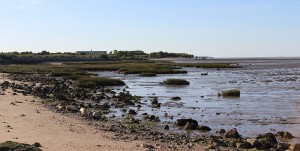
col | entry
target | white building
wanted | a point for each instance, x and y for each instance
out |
(92, 52)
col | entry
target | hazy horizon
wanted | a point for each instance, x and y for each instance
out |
(217, 28)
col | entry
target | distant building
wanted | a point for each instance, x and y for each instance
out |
(91, 52)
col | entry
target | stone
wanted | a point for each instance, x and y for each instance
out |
(83, 112)
(72, 108)
(183, 122)
(190, 126)
(133, 112)
(204, 128)
(166, 127)
(97, 114)
(232, 133)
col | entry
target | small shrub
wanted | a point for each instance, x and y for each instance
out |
(230, 93)
(176, 82)
(148, 74)
(91, 82)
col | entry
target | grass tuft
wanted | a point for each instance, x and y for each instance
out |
(176, 82)
(90, 82)
(230, 93)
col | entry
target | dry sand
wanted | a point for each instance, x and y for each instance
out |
(22, 123)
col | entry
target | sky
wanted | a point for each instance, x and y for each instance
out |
(217, 28)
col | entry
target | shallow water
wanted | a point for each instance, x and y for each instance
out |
(269, 102)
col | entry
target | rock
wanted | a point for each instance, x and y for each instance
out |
(254, 142)
(204, 128)
(72, 108)
(132, 112)
(83, 112)
(176, 98)
(232, 133)
(221, 131)
(147, 146)
(267, 141)
(190, 126)
(295, 147)
(36, 144)
(285, 135)
(183, 122)
(155, 104)
(97, 114)
(243, 145)
(166, 127)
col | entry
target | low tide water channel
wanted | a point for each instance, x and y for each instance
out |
(269, 101)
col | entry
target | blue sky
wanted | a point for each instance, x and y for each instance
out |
(218, 28)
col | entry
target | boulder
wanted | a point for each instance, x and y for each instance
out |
(232, 133)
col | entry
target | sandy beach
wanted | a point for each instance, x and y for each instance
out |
(28, 121)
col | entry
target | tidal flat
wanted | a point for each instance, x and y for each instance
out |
(268, 104)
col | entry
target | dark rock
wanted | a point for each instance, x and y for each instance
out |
(176, 98)
(36, 144)
(221, 131)
(166, 127)
(232, 133)
(132, 112)
(183, 122)
(204, 128)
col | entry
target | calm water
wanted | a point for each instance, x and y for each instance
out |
(269, 102)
